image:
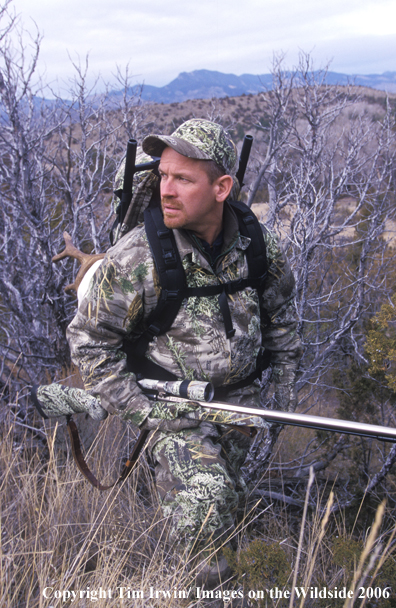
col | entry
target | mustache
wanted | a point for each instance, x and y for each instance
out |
(171, 202)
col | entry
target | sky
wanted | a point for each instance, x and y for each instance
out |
(158, 39)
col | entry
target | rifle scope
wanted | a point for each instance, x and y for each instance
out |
(188, 389)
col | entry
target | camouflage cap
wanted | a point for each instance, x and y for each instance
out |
(200, 139)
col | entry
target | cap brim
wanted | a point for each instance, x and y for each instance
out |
(155, 145)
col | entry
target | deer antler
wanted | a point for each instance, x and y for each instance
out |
(86, 260)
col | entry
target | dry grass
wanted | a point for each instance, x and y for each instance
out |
(58, 531)
(61, 535)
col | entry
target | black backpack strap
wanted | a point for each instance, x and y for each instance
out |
(256, 258)
(170, 272)
(173, 289)
(256, 254)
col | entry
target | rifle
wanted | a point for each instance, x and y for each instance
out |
(54, 400)
(181, 392)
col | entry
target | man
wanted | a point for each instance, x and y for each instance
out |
(197, 461)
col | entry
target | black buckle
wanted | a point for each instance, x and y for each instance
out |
(171, 295)
(169, 257)
(234, 286)
(163, 234)
(153, 330)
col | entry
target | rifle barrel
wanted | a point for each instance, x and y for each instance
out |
(383, 433)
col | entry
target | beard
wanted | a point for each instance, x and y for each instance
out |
(173, 212)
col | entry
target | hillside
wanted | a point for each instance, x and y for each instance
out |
(243, 113)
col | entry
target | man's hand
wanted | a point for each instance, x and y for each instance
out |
(172, 416)
(55, 400)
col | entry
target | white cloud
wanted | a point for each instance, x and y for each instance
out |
(159, 39)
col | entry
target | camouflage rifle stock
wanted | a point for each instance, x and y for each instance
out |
(55, 400)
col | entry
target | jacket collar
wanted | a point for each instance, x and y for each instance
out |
(233, 241)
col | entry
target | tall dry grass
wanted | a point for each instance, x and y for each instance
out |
(59, 535)
(58, 531)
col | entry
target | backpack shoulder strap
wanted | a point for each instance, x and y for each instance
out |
(173, 289)
(256, 253)
(170, 271)
(257, 260)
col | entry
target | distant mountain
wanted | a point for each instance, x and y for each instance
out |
(205, 84)
(382, 82)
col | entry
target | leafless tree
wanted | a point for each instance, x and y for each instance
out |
(327, 172)
(59, 157)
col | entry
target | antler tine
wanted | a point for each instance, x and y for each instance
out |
(86, 260)
(69, 251)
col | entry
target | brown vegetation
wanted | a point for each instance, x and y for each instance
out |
(59, 535)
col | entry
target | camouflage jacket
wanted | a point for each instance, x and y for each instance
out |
(125, 290)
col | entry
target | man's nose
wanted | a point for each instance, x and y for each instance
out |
(168, 187)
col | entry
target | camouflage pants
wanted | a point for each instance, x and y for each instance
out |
(198, 482)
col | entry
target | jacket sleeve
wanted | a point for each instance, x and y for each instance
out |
(111, 309)
(280, 335)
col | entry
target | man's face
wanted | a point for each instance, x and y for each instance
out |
(188, 199)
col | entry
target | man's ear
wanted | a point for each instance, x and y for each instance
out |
(223, 186)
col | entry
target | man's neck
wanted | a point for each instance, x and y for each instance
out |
(209, 234)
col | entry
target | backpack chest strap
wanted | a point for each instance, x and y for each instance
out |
(223, 290)
(228, 288)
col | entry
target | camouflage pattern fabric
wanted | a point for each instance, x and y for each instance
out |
(144, 184)
(198, 480)
(122, 294)
(56, 400)
(177, 415)
(198, 470)
(125, 290)
(200, 139)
